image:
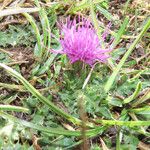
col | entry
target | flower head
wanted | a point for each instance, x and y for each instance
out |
(81, 43)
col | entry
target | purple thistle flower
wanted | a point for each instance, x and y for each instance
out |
(80, 42)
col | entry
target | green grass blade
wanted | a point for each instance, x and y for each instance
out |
(91, 132)
(134, 95)
(45, 67)
(120, 33)
(12, 86)
(117, 39)
(40, 128)
(144, 98)
(37, 53)
(124, 58)
(13, 108)
(118, 140)
(126, 7)
(47, 33)
(96, 24)
(144, 110)
(37, 94)
(46, 30)
(84, 5)
(103, 11)
(123, 123)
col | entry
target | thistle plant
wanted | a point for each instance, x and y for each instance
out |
(80, 42)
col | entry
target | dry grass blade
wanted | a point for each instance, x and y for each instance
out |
(14, 11)
(143, 146)
(5, 3)
(104, 147)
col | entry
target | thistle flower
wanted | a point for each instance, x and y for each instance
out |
(80, 42)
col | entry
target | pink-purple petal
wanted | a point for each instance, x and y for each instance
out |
(80, 42)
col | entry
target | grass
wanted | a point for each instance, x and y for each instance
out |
(48, 103)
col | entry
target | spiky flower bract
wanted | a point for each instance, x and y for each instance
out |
(80, 42)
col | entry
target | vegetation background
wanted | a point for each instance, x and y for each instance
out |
(47, 103)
